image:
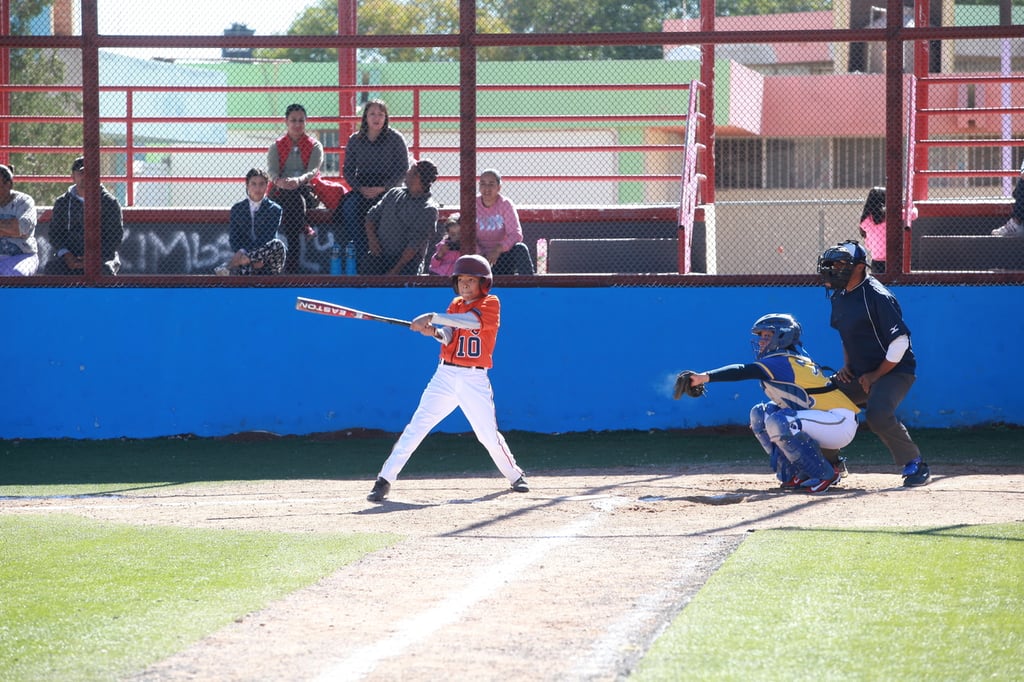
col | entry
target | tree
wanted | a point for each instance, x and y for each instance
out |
(747, 7)
(418, 17)
(40, 67)
(590, 16)
(385, 17)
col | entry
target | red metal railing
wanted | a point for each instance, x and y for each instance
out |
(416, 121)
(693, 177)
(919, 170)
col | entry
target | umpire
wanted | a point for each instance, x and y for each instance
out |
(878, 361)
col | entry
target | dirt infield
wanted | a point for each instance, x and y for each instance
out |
(571, 581)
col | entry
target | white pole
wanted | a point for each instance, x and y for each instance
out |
(1007, 128)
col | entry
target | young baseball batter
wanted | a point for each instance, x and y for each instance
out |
(805, 412)
(467, 332)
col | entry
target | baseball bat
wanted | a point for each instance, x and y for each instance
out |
(311, 305)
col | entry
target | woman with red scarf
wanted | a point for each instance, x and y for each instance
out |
(292, 161)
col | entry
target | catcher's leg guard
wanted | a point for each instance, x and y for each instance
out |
(783, 468)
(758, 414)
(800, 449)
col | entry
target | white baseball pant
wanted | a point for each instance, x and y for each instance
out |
(451, 387)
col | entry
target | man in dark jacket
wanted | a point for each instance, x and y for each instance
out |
(67, 229)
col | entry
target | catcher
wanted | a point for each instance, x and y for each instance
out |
(805, 411)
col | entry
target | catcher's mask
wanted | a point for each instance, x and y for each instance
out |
(476, 266)
(785, 333)
(835, 266)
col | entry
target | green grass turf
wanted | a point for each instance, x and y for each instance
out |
(77, 467)
(881, 604)
(84, 600)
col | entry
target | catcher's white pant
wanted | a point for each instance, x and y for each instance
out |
(832, 429)
(452, 387)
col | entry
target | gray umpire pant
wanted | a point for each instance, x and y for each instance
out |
(880, 412)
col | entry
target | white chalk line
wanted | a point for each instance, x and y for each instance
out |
(619, 642)
(421, 626)
(149, 502)
(100, 502)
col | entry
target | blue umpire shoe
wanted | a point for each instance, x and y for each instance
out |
(916, 473)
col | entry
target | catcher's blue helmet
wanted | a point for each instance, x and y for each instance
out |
(785, 333)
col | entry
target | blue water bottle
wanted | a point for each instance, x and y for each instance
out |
(336, 259)
(350, 258)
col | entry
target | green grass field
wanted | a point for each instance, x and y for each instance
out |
(85, 600)
(806, 605)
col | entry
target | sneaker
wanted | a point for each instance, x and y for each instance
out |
(820, 485)
(222, 270)
(792, 484)
(380, 490)
(843, 471)
(1012, 228)
(521, 486)
(916, 473)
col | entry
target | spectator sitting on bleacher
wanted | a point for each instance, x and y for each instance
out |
(399, 226)
(499, 235)
(19, 255)
(1014, 227)
(448, 249)
(252, 231)
(292, 161)
(67, 229)
(376, 159)
(872, 226)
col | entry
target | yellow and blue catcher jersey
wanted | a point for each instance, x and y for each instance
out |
(796, 382)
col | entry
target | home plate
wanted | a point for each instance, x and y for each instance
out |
(726, 498)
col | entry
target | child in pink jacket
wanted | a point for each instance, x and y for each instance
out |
(447, 250)
(872, 227)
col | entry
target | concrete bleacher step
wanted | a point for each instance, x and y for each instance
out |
(612, 256)
(951, 252)
(955, 236)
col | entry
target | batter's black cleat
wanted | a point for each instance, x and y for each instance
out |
(380, 490)
(521, 486)
(916, 473)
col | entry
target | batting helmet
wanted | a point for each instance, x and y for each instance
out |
(785, 333)
(835, 266)
(474, 265)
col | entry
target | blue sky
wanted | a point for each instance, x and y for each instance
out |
(194, 17)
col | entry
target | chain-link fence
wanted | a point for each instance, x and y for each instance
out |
(569, 140)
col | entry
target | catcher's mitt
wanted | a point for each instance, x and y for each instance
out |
(683, 385)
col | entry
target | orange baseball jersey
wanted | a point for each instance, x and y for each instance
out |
(474, 347)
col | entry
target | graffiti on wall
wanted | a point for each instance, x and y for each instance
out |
(168, 249)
